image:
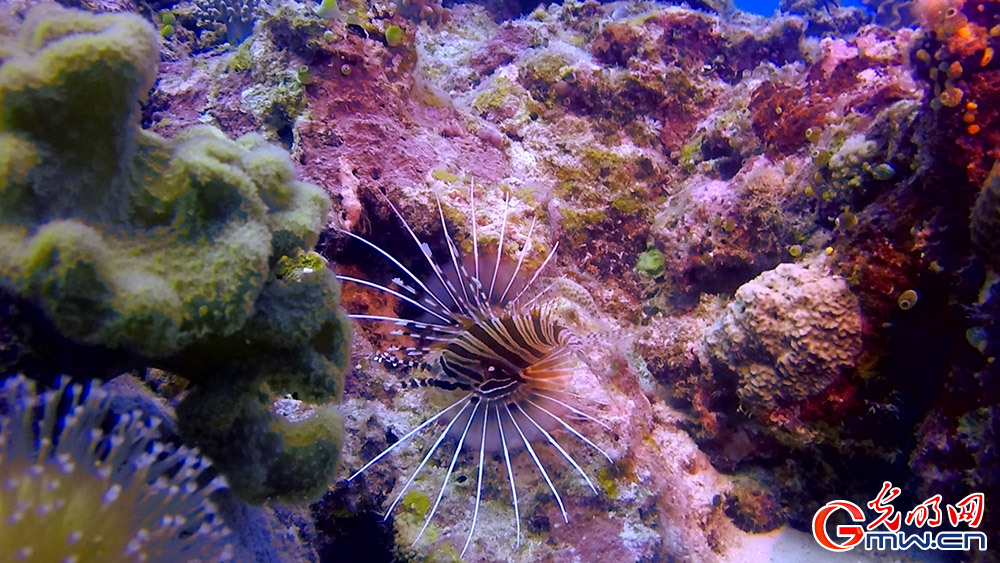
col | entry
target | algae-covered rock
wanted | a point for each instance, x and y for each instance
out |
(176, 251)
(788, 334)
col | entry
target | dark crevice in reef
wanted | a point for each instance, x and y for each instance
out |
(385, 231)
(348, 532)
(31, 345)
(283, 127)
(728, 158)
(501, 10)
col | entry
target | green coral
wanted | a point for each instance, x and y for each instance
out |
(241, 59)
(445, 175)
(302, 263)
(393, 35)
(170, 250)
(650, 263)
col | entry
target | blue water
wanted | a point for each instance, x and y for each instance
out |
(767, 7)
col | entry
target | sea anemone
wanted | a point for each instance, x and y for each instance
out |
(74, 489)
(485, 333)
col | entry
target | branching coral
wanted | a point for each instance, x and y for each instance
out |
(169, 250)
(75, 489)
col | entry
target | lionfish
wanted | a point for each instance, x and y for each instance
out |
(484, 334)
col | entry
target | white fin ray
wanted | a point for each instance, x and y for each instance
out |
(394, 293)
(538, 464)
(427, 457)
(447, 475)
(408, 435)
(400, 265)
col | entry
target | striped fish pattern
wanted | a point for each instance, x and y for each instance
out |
(486, 334)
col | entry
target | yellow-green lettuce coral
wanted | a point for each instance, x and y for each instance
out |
(171, 250)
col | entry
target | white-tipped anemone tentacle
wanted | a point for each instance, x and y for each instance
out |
(511, 360)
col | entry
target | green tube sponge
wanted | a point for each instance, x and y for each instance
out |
(175, 251)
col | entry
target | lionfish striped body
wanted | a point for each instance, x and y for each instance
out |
(487, 337)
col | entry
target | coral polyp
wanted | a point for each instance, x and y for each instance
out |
(74, 489)
(487, 334)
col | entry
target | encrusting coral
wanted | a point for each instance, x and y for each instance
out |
(788, 334)
(985, 222)
(190, 253)
(75, 489)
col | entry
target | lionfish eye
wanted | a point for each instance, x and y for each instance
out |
(509, 359)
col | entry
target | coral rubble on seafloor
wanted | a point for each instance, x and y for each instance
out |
(777, 246)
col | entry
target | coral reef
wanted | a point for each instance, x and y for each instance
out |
(698, 168)
(80, 488)
(207, 24)
(169, 250)
(954, 60)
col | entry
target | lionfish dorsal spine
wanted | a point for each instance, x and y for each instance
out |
(503, 231)
(520, 260)
(444, 309)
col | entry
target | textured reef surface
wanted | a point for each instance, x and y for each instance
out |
(778, 250)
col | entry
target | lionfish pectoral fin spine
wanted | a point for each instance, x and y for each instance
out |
(399, 265)
(510, 474)
(558, 448)
(572, 430)
(479, 480)
(447, 475)
(408, 435)
(444, 316)
(538, 464)
(427, 457)
(444, 329)
(575, 410)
